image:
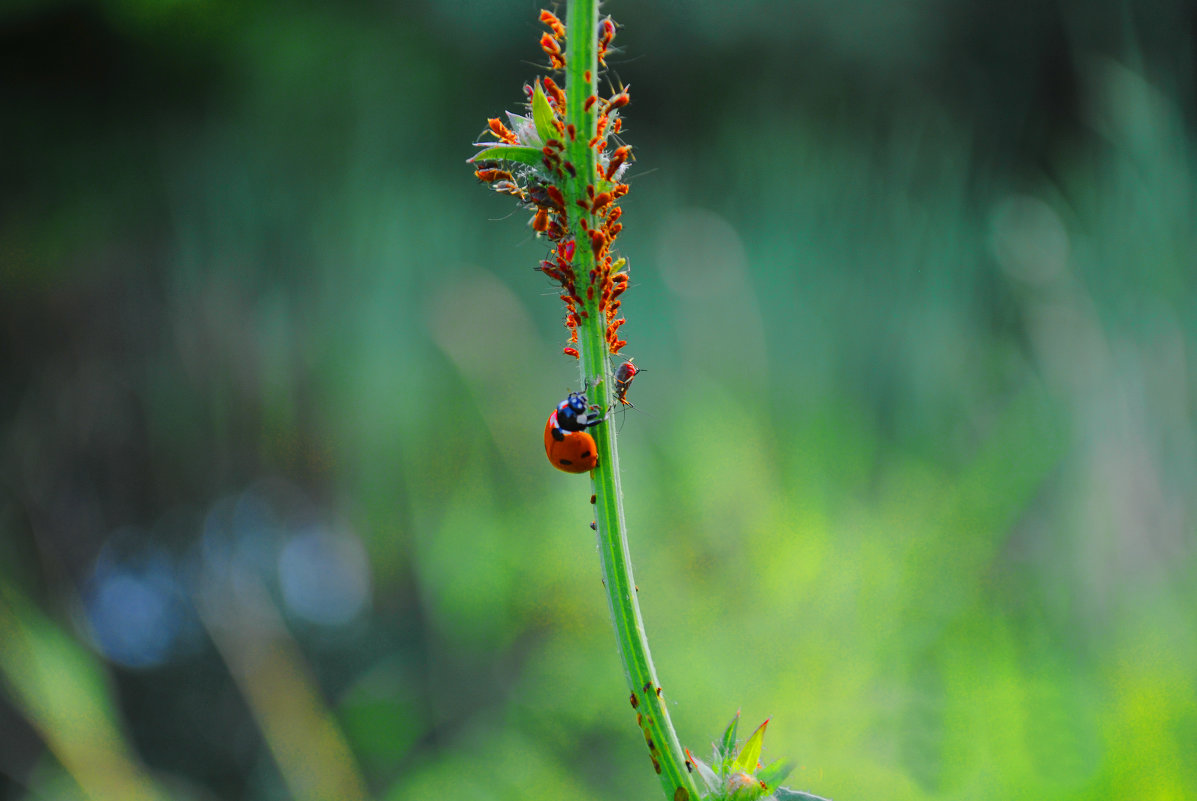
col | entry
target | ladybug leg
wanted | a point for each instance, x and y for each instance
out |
(589, 420)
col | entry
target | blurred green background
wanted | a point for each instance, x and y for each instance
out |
(913, 464)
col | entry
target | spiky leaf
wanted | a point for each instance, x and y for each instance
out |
(542, 115)
(523, 155)
(728, 744)
(750, 754)
(708, 776)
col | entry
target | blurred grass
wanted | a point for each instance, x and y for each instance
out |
(62, 692)
(913, 459)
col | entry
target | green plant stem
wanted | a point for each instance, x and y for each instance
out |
(646, 696)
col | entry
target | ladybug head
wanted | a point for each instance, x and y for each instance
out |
(575, 413)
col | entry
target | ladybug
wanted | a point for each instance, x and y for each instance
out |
(566, 443)
(623, 379)
(575, 413)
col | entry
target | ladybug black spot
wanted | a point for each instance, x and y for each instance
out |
(558, 434)
(585, 454)
(564, 461)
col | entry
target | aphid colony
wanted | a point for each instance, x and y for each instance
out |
(528, 157)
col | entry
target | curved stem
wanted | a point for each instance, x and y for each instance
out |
(646, 696)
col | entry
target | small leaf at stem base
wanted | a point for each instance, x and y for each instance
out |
(786, 794)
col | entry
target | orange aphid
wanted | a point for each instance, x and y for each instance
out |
(490, 175)
(550, 19)
(508, 188)
(606, 34)
(502, 131)
(619, 101)
(553, 50)
(617, 160)
(554, 92)
(598, 241)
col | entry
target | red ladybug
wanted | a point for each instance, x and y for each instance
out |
(566, 442)
(623, 379)
(571, 451)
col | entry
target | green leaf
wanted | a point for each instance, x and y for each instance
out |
(542, 115)
(786, 794)
(524, 155)
(750, 754)
(727, 745)
(708, 775)
(775, 772)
